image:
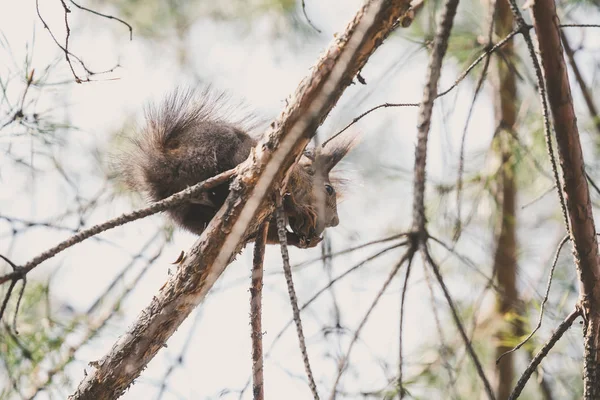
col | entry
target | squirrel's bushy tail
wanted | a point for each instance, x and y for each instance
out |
(189, 137)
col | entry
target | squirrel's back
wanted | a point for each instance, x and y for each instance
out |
(186, 140)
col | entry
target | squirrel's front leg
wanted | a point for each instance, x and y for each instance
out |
(293, 239)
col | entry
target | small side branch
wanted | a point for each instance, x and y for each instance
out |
(408, 256)
(562, 328)
(544, 301)
(458, 323)
(256, 312)
(169, 202)
(400, 350)
(281, 232)
(440, 45)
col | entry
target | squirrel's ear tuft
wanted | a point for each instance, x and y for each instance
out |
(334, 151)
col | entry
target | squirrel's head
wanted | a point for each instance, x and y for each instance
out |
(313, 192)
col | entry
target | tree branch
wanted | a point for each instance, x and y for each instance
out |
(244, 210)
(562, 328)
(440, 45)
(575, 186)
(256, 312)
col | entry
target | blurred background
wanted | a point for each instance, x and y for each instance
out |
(57, 138)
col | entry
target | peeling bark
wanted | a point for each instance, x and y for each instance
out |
(245, 208)
(575, 187)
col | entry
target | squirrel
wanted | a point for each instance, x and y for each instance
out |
(188, 139)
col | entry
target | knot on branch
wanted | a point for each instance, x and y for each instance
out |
(18, 273)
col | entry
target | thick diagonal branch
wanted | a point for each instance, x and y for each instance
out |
(244, 209)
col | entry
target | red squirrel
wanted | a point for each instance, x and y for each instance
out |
(187, 140)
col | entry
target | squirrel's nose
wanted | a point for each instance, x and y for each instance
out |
(334, 221)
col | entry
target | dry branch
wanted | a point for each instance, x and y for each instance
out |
(244, 209)
(285, 257)
(256, 312)
(575, 186)
(430, 92)
(562, 328)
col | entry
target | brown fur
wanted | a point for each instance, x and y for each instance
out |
(190, 138)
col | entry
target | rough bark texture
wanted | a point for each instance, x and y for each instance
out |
(430, 92)
(256, 312)
(583, 230)
(505, 257)
(244, 209)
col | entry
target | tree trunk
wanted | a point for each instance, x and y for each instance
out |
(505, 257)
(575, 186)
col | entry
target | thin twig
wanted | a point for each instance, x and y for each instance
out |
(400, 353)
(523, 28)
(162, 205)
(331, 283)
(350, 249)
(19, 298)
(281, 231)
(562, 328)
(579, 26)
(256, 312)
(461, 157)
(320, 292)
(459, 325)
(539, 322)
(344, 361)
(430, 93)
(445, 92)
(308, 19)
(105, 16)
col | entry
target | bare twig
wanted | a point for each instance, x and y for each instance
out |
(458, 323)
(169, 202)
(523, 28)
(334, 281)
(281, 232)
(400, 352)
(105, 16)
(579, 26)
(308, 19)
(440, 45)
(460, 78)
(343, 363)
(539, 322)
(256, 312)
(16, 269)
(562, 328)
(461, 157)
(350, 249)
(323, 290)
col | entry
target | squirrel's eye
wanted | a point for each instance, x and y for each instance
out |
(329, 189)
